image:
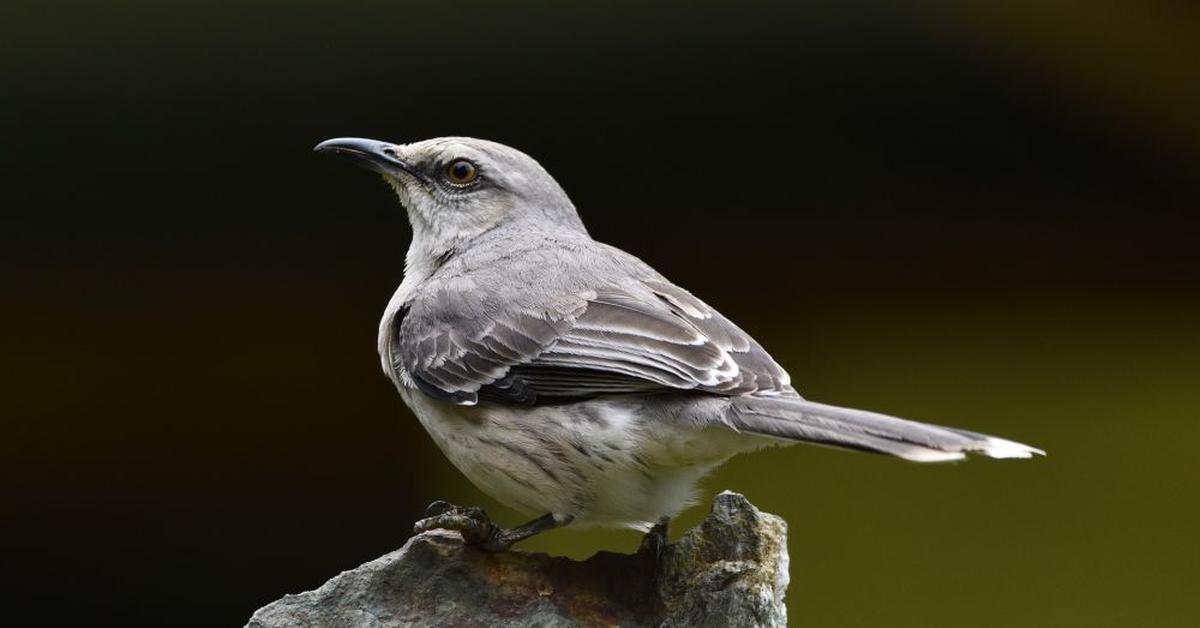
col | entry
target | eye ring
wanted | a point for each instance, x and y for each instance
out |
(461, 172)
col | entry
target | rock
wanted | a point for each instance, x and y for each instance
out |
(731, 570)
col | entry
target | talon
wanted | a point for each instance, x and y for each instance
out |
(478, 530)
(437, 508)
(471, 522)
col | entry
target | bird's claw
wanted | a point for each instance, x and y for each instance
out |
(471, 522)
(437, 508)
(655, 542)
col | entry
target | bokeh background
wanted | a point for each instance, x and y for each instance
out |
(980, 214)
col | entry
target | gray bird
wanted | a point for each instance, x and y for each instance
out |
(567, 378)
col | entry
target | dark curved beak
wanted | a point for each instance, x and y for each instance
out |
(372, 154)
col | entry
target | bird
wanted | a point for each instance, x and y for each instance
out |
(565, 377)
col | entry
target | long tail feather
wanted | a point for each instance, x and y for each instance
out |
(800, 420)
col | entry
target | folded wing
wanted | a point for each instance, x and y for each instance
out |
(638, 336)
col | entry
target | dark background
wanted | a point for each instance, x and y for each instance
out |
(975, 215)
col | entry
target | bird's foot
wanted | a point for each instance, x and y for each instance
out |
(655, 541)
(472, 522)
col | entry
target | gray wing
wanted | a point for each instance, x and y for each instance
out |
(638, 335)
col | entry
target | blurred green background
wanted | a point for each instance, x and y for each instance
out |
(978, 214)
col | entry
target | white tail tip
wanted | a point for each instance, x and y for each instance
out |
(1000, 448)
(924, 454)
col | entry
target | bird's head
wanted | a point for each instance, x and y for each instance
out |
(458, 188)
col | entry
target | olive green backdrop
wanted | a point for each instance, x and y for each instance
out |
(969, 214)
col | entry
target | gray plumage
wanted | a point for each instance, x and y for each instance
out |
(527, 314)
(564, 375)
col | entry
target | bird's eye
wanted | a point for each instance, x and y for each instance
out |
(461, 172)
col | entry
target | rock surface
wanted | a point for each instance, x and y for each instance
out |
(731, 570)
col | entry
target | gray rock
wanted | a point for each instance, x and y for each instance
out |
(731, 570)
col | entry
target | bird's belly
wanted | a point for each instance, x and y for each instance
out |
(598, 462)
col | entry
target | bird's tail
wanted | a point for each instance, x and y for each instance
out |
(796, 419)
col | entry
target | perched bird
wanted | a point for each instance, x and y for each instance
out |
(567, 378)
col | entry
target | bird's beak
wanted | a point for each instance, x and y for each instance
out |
(373, 154)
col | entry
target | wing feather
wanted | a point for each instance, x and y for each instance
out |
(635, 333)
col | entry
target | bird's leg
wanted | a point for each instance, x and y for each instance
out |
(478, 529)
(505, 538)
(655, 540)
